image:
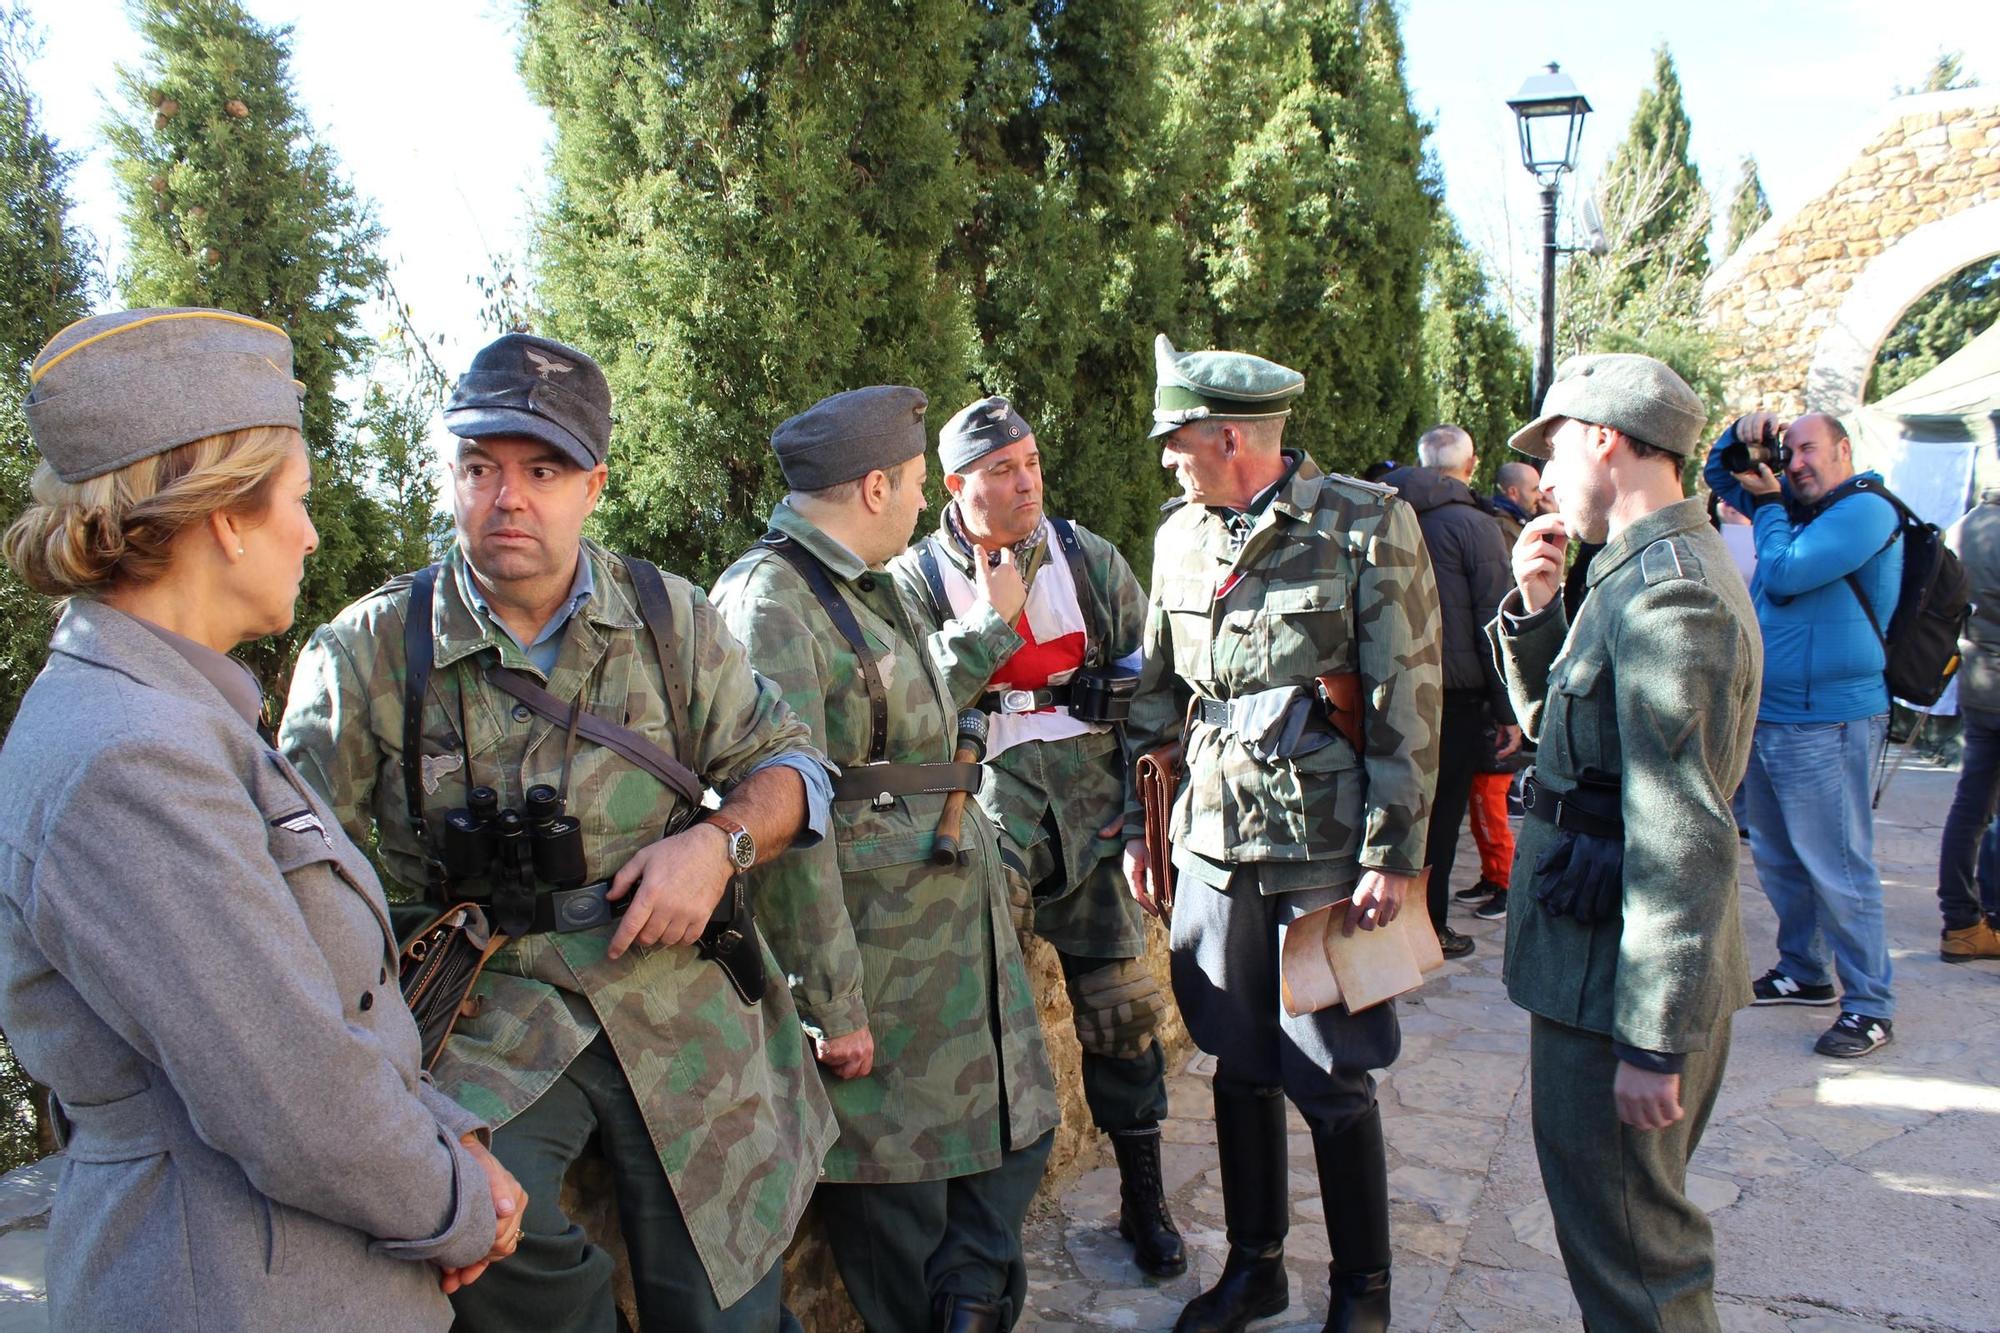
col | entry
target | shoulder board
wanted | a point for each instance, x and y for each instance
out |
(1173, 504)
(1356, 483)
(1662, 561)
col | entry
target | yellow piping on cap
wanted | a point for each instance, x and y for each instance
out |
(35, 375)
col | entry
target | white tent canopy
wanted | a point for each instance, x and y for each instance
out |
(1927, 438)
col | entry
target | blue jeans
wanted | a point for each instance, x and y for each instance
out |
(1812, 835)
(1972, 807)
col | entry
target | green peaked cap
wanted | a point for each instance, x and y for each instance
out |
(1215, 385)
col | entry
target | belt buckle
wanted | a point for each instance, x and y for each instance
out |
(1017, 701)
(579, 909)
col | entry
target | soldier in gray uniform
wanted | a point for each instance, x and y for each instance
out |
(1271, 575)
(1626, 948)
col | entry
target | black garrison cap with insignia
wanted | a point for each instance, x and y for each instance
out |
(537, 389)
(977, 430)
(1219, 386)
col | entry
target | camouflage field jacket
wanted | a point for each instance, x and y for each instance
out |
(729, 1092)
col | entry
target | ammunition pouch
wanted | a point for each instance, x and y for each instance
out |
(1102, 694)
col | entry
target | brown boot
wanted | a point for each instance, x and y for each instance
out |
(1978, 940)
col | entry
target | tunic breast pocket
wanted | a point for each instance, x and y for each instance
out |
(1301, 631)
(1189, 603)
(1585, 721)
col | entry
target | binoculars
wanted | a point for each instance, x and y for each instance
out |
(514, 846)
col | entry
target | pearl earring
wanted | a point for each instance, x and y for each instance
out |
(239, 550)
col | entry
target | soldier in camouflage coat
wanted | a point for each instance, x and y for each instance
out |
(1056, 785)
(708, 1109)
(1269, 574)
(907, 973)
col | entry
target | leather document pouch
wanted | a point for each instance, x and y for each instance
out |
(1341, 693)
(1321, 967)
(1158, 777)
(438, 965)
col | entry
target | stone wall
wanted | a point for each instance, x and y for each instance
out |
(1803, 306)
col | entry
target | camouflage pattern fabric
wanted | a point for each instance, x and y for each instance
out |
(1332, 576)
(1118, 1008)
(1078, 784)
(730, 1098)
(868, 930)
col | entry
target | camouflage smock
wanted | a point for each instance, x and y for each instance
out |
(868, 930)
(1081, 780)
(1333, 577)
(736, 1113)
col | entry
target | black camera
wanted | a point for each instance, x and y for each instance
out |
(1769, 449)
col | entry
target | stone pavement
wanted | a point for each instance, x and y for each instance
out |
(1845, 1196)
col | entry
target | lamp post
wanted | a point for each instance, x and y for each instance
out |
(1551, 111)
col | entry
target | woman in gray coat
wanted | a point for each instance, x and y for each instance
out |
(193, 957)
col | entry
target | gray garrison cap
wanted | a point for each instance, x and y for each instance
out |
(977, 430)
(1218, 386)
(537, 389)
(115, 388)
(850, 435)
(1635, 394)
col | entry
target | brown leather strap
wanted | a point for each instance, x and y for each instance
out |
(866, 782)
(622, 740)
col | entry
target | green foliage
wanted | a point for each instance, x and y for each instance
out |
(1948, 317)
(1749, 209)
(230, 201)
(1653, 162)
(1946, 74)
(748, 212)
(1307, 202)
(1478, 372)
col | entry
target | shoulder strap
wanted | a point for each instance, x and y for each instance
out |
(1097, 624)
(1904, 518)
(658, 612)
(842, 615)
(419, 654)
(623, 741)
(927, 564)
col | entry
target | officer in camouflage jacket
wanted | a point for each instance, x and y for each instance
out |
(1269, 574)
(907, 972)
(707, 1108)
(1056, 785)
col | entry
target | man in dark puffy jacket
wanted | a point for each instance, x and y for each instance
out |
(1471, 565)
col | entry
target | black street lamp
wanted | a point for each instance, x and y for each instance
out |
(1551, 112)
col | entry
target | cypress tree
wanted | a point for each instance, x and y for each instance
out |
(230, 201)
(1475, 366)
(1308, 202)
(749, 211)
(1668, 207)
(1748, 208)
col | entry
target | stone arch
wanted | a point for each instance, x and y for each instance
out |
(1802, 307)
(1903, 275)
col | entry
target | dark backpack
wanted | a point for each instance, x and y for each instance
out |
(1920, 647)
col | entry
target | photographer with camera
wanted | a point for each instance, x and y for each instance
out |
(1823, 711)
(528, 726)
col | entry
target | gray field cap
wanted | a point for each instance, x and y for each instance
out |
(977, 430)
(1218, 386)
(849, 435)
(538, 389)
(115, 388)
(1635, 394)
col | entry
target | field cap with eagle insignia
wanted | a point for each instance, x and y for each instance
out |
(537, 389)
(114, 388)
(1218, 386)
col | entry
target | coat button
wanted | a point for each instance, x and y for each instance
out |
(521, 713)
(367, 1000)
(866, 583)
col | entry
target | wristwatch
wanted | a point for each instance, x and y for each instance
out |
(742, 847)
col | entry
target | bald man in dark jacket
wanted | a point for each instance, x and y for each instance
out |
(1473, 574)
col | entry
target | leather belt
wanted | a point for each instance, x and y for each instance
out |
(881, 784)
(1027, 701)
(1566, 810)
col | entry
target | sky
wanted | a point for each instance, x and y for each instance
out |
(424, 105)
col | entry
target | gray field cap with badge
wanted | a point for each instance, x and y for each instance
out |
(1218, 386)
(1635, 394)
(849, 435)
(536, 389)
(115, 388)
(977, 429)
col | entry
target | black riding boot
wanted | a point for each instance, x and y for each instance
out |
(1354, 1186)
(968, 1314)
(1142, 1203)
(1250, 1144)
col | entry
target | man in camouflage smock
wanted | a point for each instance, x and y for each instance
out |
(1629, 955)
(707, 1108)
(1033, 615)
(907, 973)
(1268, 574)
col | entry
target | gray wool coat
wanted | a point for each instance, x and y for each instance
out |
(199, 963)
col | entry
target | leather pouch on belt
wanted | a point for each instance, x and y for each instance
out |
(438, 965)
(1158, 776)
(1340, 693)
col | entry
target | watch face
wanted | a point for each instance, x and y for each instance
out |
(742, 850)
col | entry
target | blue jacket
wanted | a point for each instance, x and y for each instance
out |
(1822, 659)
